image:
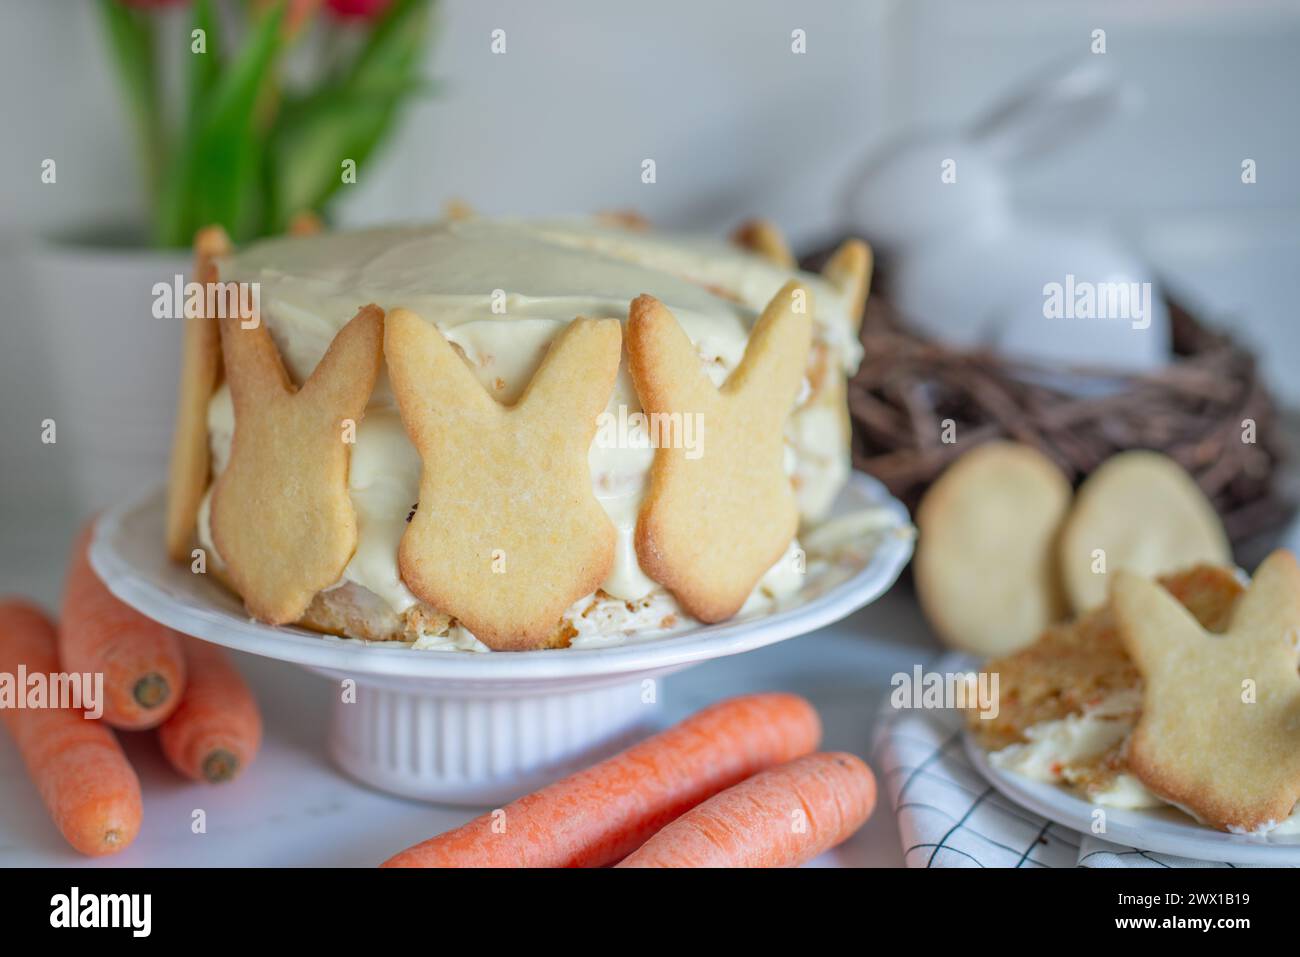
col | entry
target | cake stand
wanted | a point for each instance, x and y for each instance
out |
(471, 728)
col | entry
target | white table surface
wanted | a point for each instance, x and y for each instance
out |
(292, 807)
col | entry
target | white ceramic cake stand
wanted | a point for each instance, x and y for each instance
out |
(467, 728)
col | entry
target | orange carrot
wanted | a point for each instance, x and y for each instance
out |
(141, 660)
(599, 815)
(78, 767)
(216, 731)
(778, 818)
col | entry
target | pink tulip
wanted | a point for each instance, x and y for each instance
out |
(357, 9)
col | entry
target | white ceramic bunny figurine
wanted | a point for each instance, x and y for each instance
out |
(968, 270)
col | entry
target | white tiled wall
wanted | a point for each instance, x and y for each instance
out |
(737, 125)
(734, 120)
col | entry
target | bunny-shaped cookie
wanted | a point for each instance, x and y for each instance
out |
(508, 532)
(282, 519)
(712, 523)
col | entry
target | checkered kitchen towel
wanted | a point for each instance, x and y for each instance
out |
(949, 815)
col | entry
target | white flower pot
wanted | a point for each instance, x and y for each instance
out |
(82, 349)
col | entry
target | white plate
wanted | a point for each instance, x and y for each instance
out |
(1164, 830)
(127, 554)
(467, 727)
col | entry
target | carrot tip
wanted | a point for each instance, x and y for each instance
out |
(220, 765)
(151, 690)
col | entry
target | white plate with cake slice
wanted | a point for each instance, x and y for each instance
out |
(1164, 830)
(468, 727)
